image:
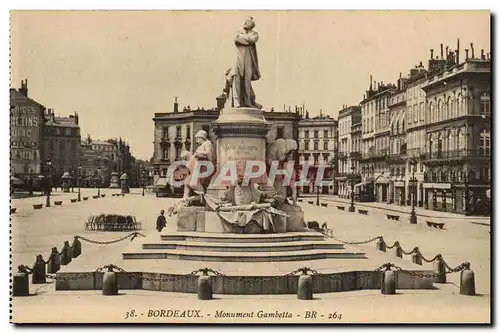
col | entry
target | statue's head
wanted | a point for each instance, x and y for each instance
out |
(249, 23)
(200, 136)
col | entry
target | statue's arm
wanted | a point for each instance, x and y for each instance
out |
(252, 37)
(241, 39)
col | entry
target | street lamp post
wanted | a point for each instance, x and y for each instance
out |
(413, 217)
(317, 195)
(78, 182)
(47, 182)
(99, 182)
(143, 180)
(351, 208)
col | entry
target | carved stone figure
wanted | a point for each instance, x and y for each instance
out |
(204, 152)
(246, 68)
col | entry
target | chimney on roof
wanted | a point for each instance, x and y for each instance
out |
(176, 105)
(482, 55)
(432, 53)
(24, 87)
(371, 79)
(466, 54)
(472, 50)
(421, 65)
(76, 118)
(447, 53)
(442, 51)
(458, 50)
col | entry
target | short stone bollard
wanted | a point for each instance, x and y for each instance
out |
(439, 269)
(20, 284)
(416, 257)
(204, 287)
(76, 248)
(381, 246)
(467, 281)
(109, 283)
(38, 274)
(388, 286)
(54, 263)
(397, 250)
(305, 287)
(66, 254)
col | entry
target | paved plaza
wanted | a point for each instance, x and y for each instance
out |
(37, 231)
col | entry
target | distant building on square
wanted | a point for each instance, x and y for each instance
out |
(27, 126)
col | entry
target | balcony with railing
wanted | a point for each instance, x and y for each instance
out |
(355, 155)
(448, 155)
(374, 155)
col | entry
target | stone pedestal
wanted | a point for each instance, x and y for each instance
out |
(241, 136)
(114, 181)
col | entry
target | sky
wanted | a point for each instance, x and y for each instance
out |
(117, 68)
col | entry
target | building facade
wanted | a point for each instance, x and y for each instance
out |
(318, 140)
(348, 148)
(375, 143)
(62, 143)
(175, 131)
(458, 135)
(27, 126)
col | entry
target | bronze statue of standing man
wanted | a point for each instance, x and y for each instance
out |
(246, 68)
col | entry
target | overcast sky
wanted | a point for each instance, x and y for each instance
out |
(116, 69)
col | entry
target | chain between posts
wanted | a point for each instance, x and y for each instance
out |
(132, 236)
(358, 243)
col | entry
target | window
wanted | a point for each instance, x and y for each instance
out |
(178, 132)
(485, 108)
(325, 133)
(415, 113)
(165, 153)
(188, 131)
(325, 145)
(177, 152)
(484, 174)
(316, 134)
(421, 110)
(306, 145)
(279, 132)
(484, 143)
(315, 145)
(409, 114)
(306, 134)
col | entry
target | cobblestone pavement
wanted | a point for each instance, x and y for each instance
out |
(37, 231)
(383, 208)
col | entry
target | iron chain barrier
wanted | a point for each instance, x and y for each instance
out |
(132, 236)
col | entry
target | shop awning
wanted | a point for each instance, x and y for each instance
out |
(488, 194)
(16, 181)
(382, 180)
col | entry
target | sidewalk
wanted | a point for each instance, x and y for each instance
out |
(401, 209)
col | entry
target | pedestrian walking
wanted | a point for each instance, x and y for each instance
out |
(161, 222)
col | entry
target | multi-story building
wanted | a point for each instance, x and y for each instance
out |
(397, 146)
(375, 142)
(175, 131)
(96, 166)
(458, 139)
(318, 147)
(348, 149)
(62, 143)
(415, 138)
(27, 126)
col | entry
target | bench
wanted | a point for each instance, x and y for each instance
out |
(95, 197)
(324, 205)
(13, 210)
(103, 195)
(73, 200)
(85, 198)
(392, 217)
(363, 212)
(300, 200)
(435, 224)
(340, 207)
(311, 202)
(38, 206)
(58, 203)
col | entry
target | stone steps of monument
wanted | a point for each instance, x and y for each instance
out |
(244, 256)
(243, 246)
(242, 238)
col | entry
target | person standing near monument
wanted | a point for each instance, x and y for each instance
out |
(161, 221)
(246, 68)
